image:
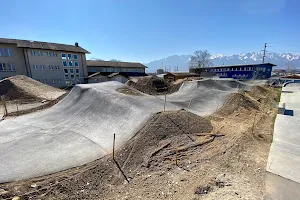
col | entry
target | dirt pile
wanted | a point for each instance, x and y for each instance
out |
(235, 102)
(24, 89)
(153, 85)
(129, 91)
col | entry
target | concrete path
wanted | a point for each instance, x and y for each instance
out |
(80, 128)
(284, 157)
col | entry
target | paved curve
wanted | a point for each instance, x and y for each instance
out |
(80, 128)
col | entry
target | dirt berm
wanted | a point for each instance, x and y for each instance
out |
(24, 89)
(153, 85)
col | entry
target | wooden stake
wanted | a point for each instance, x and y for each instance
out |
(176, 159)
(165, 102)
(116, 161)
(4, 105)
(17, 109)
(253, 123)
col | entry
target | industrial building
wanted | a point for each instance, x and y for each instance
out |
(246, 71)
(112, 66)
(55, 64)
(174, 76)
(101, 71)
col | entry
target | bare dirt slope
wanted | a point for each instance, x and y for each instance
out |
(153, 85)
(218, 157)
(23, 88)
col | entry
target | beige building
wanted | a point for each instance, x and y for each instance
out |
(58, 65)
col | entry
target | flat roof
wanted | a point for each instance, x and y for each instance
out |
(102, 63)
(43, 45)
(240, 65)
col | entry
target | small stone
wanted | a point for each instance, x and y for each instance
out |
(2, 191)
(33, 185)
(87, 183)
(16, 198)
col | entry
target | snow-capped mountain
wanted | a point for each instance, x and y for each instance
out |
(182, 62)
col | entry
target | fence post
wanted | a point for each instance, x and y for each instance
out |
(165, 102)
(116, 161)
(4, 105)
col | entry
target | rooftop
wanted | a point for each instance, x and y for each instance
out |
(182, 74)
(43, 45)
(242, 65)
(101, 63)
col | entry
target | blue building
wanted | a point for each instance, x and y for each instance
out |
(247, 71)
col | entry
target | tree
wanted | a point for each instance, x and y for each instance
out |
(200, 59)
(115, 60)
(289, 67)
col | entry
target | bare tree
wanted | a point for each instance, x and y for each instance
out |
(289, 67)
(200, 59)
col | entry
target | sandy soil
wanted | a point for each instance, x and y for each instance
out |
(222, 156)
(24, 95)
(153, 85)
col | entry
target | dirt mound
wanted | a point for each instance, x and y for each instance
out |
(129, 91)
(153, 85)
(24, 89)
(168, 131)
(260, 91)
(235, 102)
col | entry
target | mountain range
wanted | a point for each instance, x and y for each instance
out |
(182, 62)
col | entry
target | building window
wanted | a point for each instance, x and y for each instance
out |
(63, 56)
(40, 53)
(75, 57)
(66, 71)
(69, 56)
(50, 67)
(32, 52)
(77, 71)
(77, 76)
(35, 67)
(48, 53)
(72, 71)
(53, 80)
(70, 64)
(65, 64)
(1, 52)
(72, 76)
(57, 67)
(12, 67)
(45, 80)
(76, 64)
(2, 67)
(67, 76)
(42, 67)
(55, 54)
(58, 80)
(8, 52)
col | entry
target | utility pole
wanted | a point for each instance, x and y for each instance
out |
(263, 61)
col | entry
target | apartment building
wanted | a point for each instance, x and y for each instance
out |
(131, 68)
(55, 64)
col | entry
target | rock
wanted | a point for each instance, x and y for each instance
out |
(2, 191)
(16, 198)
(33, 185)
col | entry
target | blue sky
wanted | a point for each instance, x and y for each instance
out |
(146, 30)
